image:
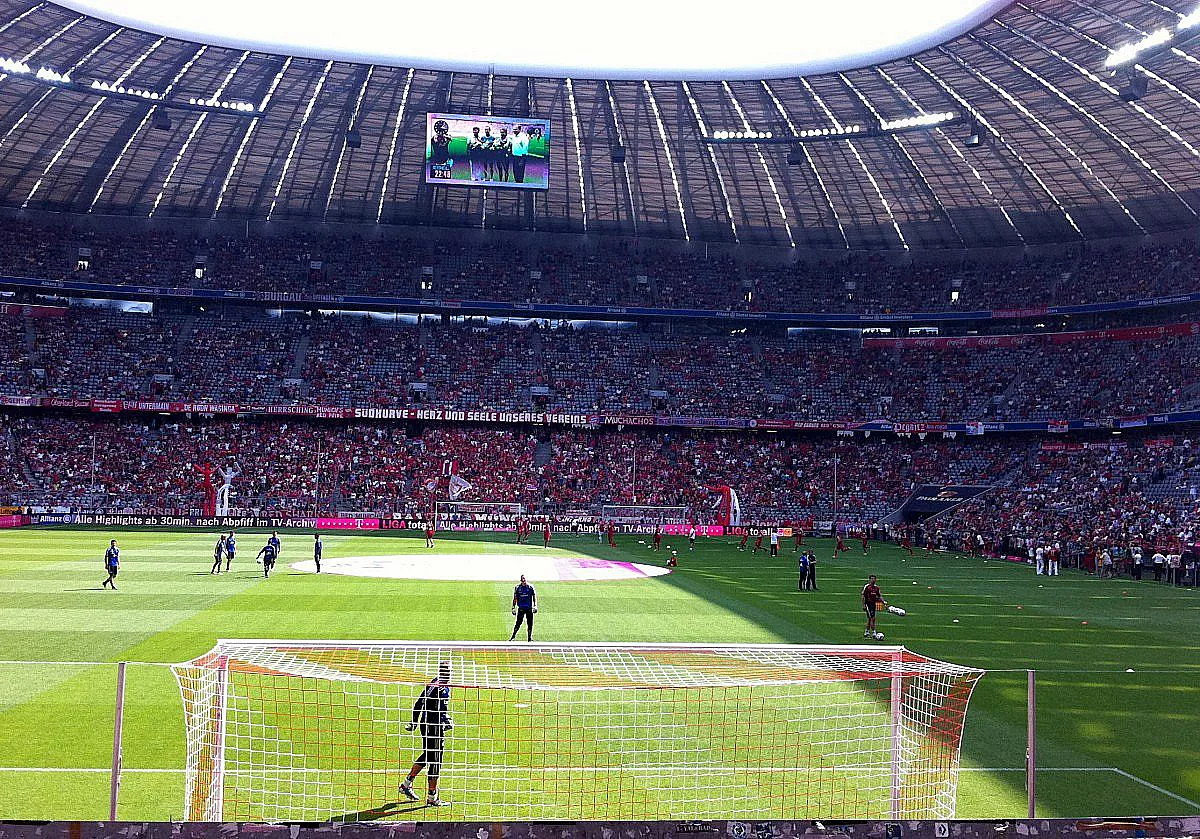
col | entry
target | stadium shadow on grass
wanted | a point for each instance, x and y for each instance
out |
(1007, 622)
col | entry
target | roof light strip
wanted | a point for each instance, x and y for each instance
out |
(192, 135)
(712, 157)
(762, 160)
(887, 208)
(612, 110)
(287, 161)
(246, 137)
(662, 133)
(578, 152)
(907, 155)
(896, 86)
(84, 122)
(811, 165)
(1132, 152)
(129, 142)
(342, 151)
(1028, 114)
(387, 168)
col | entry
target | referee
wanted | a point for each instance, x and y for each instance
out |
(524, 606)
(431, 713)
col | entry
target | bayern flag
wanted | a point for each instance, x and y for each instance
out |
(458, 485)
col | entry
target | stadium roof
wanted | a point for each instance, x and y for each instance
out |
(620, 39)
(1062, 156)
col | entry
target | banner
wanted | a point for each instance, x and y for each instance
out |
(957, 342)
(206, 522)
(31, 311)
(7, 521)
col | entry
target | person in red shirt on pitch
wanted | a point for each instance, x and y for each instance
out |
(657, 536)
(673, 560)
(840, 547)
(742, 544)
(798, 536)
(429, 534)
(906, 542)
(864, 537)
(612, 543)
(546, 534)
(872, 600)
(757, 543)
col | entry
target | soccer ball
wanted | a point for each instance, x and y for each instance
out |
(878, 636)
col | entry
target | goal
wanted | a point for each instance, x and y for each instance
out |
(476, 515)
(314, 730)
(642, 514)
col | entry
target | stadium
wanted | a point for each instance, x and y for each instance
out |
(643, 420)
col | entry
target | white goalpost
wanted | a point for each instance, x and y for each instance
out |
(315, 730)
(643, 514)
(476, 513)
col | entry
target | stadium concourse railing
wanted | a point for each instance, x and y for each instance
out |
(572, 310)
(970, 428)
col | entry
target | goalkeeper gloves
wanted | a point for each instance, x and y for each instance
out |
(410, 727)
(535, 610)
(514, 610)
(448, 724)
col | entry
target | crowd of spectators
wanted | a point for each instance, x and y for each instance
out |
(1102, 497)
(604, 273)
(473, 364)
(1068, 492)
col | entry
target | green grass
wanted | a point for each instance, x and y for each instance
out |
(1110, 741)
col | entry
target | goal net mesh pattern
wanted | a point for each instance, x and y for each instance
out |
(291, 730)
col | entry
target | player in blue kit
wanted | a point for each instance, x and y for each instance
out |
(524, 606)
(431, 714)
(267, 554)
(317, 548)
(218, 554)
(230, 550)
(274, 540)
(112, 564)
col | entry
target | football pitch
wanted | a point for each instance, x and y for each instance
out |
(1118, 665)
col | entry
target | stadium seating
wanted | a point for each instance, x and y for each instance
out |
(357, 361)
(614, 274)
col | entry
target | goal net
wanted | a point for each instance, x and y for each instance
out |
(315, 730)
(641, 514)
(476, 514)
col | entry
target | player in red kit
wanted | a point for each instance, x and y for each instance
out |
(906, 542)
(546, 534)
(758, 543)
(798, 536)
(657, 537)
(429, 534)
(864, 537)
(612, 543)
(742, 544)
(840, 547)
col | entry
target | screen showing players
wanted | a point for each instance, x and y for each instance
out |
(494, 152)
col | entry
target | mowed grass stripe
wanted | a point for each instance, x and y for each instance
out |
(717, 595)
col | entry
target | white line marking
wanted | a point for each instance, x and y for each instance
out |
(1157, 788)
(882, 768)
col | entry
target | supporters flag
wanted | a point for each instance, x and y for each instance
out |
(458, 485)
(974, 429)
(1057, 426)
(449, 467)
(431, 485)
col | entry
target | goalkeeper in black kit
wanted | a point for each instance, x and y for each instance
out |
(431, 715)
(524, 606)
